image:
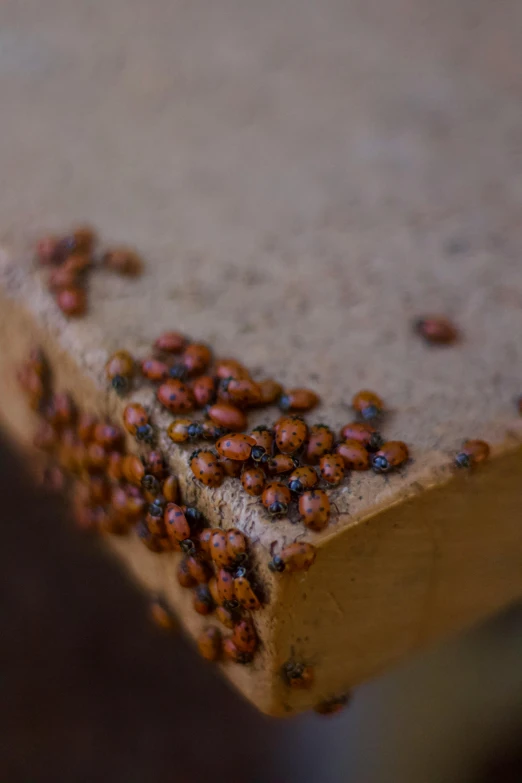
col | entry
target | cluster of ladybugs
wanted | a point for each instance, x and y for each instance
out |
(278, 464)
(71, 258)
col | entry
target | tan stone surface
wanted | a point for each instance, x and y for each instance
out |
(304, 179)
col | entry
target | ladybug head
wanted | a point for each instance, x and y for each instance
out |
(155, 509)
(261, 428)
(178, 371)
(240, 572)
(380, 464)
(231, 604)
(277, 564)
(195, 454)
(119, 384)
(193, 514)
(194, 430)
(462, 460)
(284, 402)
(370, 412)
(278, 508)
(145, 433)
(150, 483)
(257, 453)
(187, 546)
(295, 486)
(376, 442)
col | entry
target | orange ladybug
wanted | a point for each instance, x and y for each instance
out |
(230, 368)
(213, 588)
(209, 643)
(155, 464)
(218, 549)
(263, 437)
(203, 603)
(392, 454)
(100, 490)
(237, 546)
(436, 330)
(205, 539)
(227, 617)
(276, 498)
(171, 342)
(245, 636)
(281, 463)
(242, 392)
(115, 465)
(320, 442)
(147, 538)
(294, 557)
(170, 489)
(368, 404)
(205, 466)
(135, 416)
(133, 469)
(72, 301)
(183, 575)
(225, 415)
(81, 239)
(204, 390)
(253, 480)
(196, 358)
(61, 411)
(363, 433)
(154, 370)
(353, 454)
(199, 569)
(291, 434)
(301, 479)
(298, 400)
(334, 705)
(231, 652)
(45, 437)
(231, 467)
(48, 250)
(176, 523)
(208, 430)
(225, 589)
(108, 436)
(270, 391)
(161, 615)
(123, 260)
(472, 453)
(243, 591)
(297, 675)
(182, 430)
(176, 396)
(86, 426)
(96, 458)
(235, 446)
(63, 277)
(119, 370)
(314, 508)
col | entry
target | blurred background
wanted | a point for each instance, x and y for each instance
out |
(89, 690)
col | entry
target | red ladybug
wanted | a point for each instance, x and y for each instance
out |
(298, 400)
(45, 437)
(245, 636)
(123, 260)
(235, 446)
(213, 589)
(237, 546)
(48, 250)
(230, 368)
(231, 467)
(154, 370)
(96, 458)
(219, 550)
(263, 437)
(242, 392)
(225, 415)
(161, 615)
(294, 557)
(100, 490)
(205, 466)
(171, 342)
(225, 589)
(205, 538)
(183, 575)
(244, 593)
(363, 433)
(436, 329)
(182, 430)
(81, 239)
(86, 426)
(176, 523)
(231, 652)
(136, 421)
(198, 569)
(314, 508)
(204, 390)
(301, 479)
(72, 301)
(291, 434)
(368, 404)
(155, 464)
(320, 442)
(353, 454)
(253, 480)
(115, 465)
(133, 469)
(227, 617)
(297, 675)
(170, 489)
(270, 391)
(210, 431)
(203, 603)
(472, 453)
(196, 358)
(281, 463)
(276, 498)
(145, 536)
(61, 411)
(119, 370)
(108, 436)
(209, 643)
(63, 277)
(176, 396)
(390, 455)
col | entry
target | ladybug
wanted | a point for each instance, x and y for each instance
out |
(119, 370)
(218, 549)
(176, 396)
(196, 358)
(45, 437)
(225, 589)
(210, 431)
(253, 480)
(205, 466)
(436, 330)
(231, 652)
(132, 469)
(123, 260)
(263, 437)
(297, 675)
(203, 603)
(61, 411)
(227, 617)
(176, 523)
(225, 415)
(243, 591)
(212, 586)
(294, 557)
(155, 464)
(171, 342)
(161, 615)
(364, 433)
(276, 498)
(245, 636)
(95, 458)
(473, 452)
(135, 502)
(114, 467)
(334, 705)
(63, 277)
(235, 446)
(230, 368)
(368, 404)
(237, 546)
(242, 392)
(209, 643)
(147, 538)
(199, 569)
(100, 490)
(392, 454)
(302, 479)
(298, 400)
(183, 575)
(72, 301)
(150, 484)
(270, 391)
(170, 489)
(54, 479)
(154, 370)
(205, 538)
(48, 250)
(81, 239)
(77, 263)
(291, 434)
(204, 390)
(154, 520)
(231, 467)
(314, 508)
(108, 435)
(320, 442)
(119, 504)
(86, 426)
(194, 516)
(281, 463)
(353, 454)
(135, 417)
(182, 430)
